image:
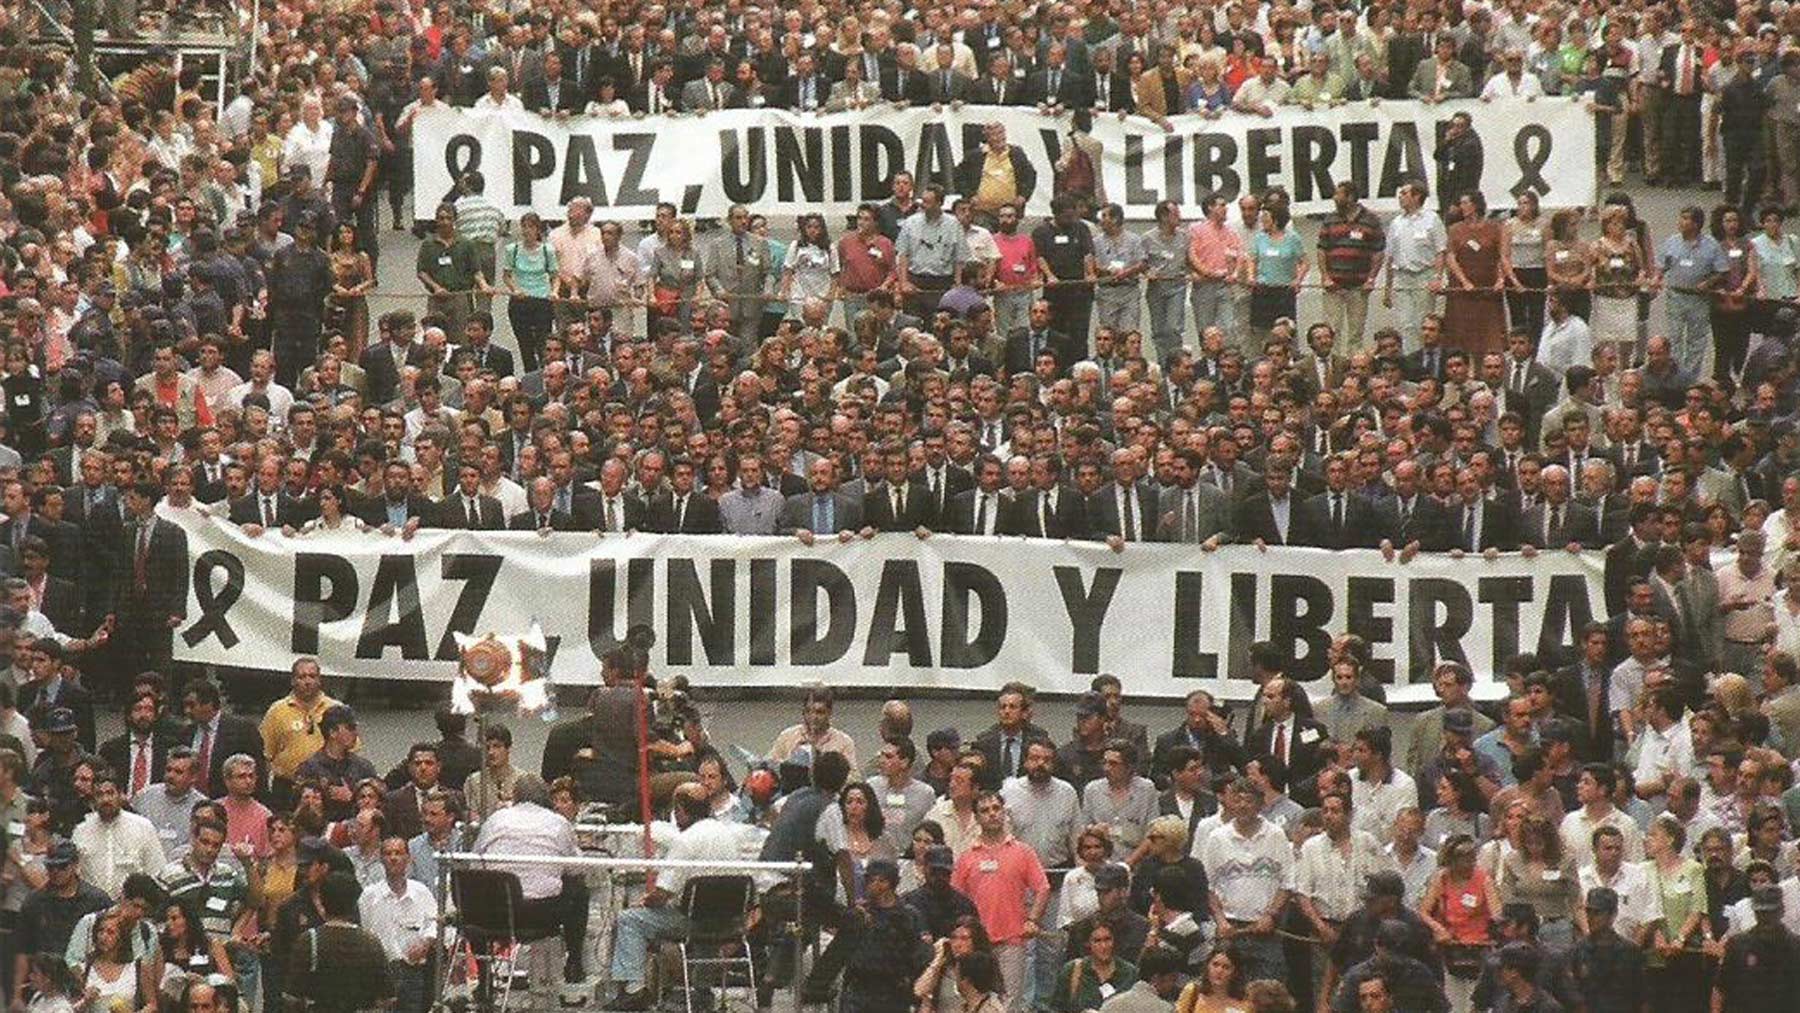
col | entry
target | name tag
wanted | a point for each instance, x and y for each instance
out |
(1734, 254)
(1117, 265)
(896, 799)
(874, 254)
(1552, 875)
(1107, 990)
(687, 265)
(1061, 240)
(1309, 735)
(16, 828)
(1562, 255)
(991, 865)
(1681, 888)
(1356, 234)
(1473, 245)
(1019, 268)
(1615, 262)
(1532, 234)
(215, 904)
(199, 960)
(1470, 901)
(444, 260)
(21, 399)
(1687, 262)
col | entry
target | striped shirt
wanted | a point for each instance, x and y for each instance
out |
(478, 219)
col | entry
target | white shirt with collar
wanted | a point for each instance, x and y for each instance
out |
(400, 920)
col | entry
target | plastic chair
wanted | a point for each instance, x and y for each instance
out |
(718, 913)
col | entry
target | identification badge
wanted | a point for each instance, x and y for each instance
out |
(1562, 255)
(1309, 735)
(1615, 262)
(297, 725)
(1107, 990)
(1061, 240)
(215, 904)
(1552, 875)
(1734, 254)
(1474, 245)
(874, 254)
(1681, 888)
(990, 865)
(1019, 268)
(1687, 262)
(1117, 265)
(16, 828)
(1470, 901)
(198, 960)
(1356, 235)
(897, 799)
(444, 260)
(687, 265)
(21, 399)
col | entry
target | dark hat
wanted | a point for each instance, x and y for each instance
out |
(939, 856)
(62, 854)
(340, 714)
(1460, 720)
(883, 867)
(1384, 884)
(1111, 877)
(1766, 898)
(943, 738)
(1089, 705)
(1603, 900)
(61, 720)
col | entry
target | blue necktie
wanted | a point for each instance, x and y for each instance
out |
(822, 514)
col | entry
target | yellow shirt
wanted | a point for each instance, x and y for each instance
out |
(290, 732)
(997, 183)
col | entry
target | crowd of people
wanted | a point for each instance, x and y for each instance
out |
(194, 319)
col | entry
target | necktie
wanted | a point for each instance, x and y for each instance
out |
(1405, 512)
(1630, 456)
(680, 511)
(1105, 83)
(1130, 518)
(140, 767)
(946, 84)
(268, 511)
(1055, 80)
(1188, 516)
(140, 563)
(821, 513)
(612, 513)
(899, 501)
(474, 515)
(1281, 743)
(1337, 511)
(740, 248)
(1518, 377)
(1044, 514)
(714, 90)
(203, 766)
(1555, 525)
(1469, 528)
(1006, 757)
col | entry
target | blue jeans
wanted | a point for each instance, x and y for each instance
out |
(636, 931)
(1167, 302)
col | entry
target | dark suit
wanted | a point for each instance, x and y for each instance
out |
(62, 605)
(1578, 525)
(1614, 514)
(1428, 524)
(373, 512)
(207, 490)
(1072, 90)
(878, 507)
(701, 516)
(289, 512)
(968, 174)
(452, 513)
(116, 751)
(960, 515)
(1221, 752)
(569, 96)
(913, 91)
(1002, 91)
(789, 97)
(1424, 363)
(70, 695)
(1105, 519)
(797, 513)
(67, 544)
(382, 375)
(1037, 514)
(529, 521)
(144, 598)
(955, 481)
(991, 744)
(234, 735)
(1314, 525)
(1625, 561)
(1019, 358)
(1647, 460)
(1496, 528)
(1253, 519)
(1305, 757)
(956, 88)
(629, 513)
(1118, 97)
(490, 356)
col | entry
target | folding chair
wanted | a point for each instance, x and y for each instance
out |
(488, 905)
(718, 912)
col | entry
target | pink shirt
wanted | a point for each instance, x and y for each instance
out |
(247, 821)
(1214, 248)
(1018, 263)
(997, 877)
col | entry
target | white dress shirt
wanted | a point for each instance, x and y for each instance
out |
(399, 920)
(110, 851)
(526, 828)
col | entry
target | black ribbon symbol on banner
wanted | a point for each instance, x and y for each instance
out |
(462, 156)
(1531, 147)
(214, 604)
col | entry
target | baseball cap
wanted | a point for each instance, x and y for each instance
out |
(61, 719)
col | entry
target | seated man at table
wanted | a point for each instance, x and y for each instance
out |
(530, 827)
(702, 838)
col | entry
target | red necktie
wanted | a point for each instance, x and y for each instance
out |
(140, 768)
(1281, 743)
(203, 769)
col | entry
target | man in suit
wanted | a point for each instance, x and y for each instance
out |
(384, 363)
(216, 737)
(681, 510)
(1192, 511)
(618, 508)
(1109, 87)
(1557, 521)
(1478, 524)
(1268, 517)
(1633, 556)
(1410, 522)
(808, 90)
(21, 521)
(1125, 509)
(468, 509)
(655, 96)
(542, 515)
(150, 594)
(67, 458)
(1187, 795)
(398, 507)
(59, 598)
(902, 502)
(1057, 86)
(1298, 742)
(1203, 729)
(945, 84)
(139, 753)
(902, 81)
(268, 503)
(823, 509)
(1003, 743)
(553, 92)
(1048, 509)
(1443, 76)
(1427, 361)
(738, 263)
(998, 87)
(479, 335)
(709, 92)
(943, 479)
(1337, 518)
(979, 510)
(1526, 386)
(1024, 345)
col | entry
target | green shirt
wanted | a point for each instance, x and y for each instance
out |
(451, 264)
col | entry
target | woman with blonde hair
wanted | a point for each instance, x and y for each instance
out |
(1733, 692)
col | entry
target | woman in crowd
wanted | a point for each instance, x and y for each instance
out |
(811, 268)
(1474, 309)
(526, 271)
(1219, 988)
(113, 981)
(1522, 245)
(1569, 264)
(333, 514)
(676, 276)
(939, 988)
(24, 870)
(1093, 851)
(1731, 308)
(187, 950)
(1460, 906)
(1539, 874)
(1460, 809)
(1678, 892)
(1762, 841)
(1276, 269)
(978, 982)
(54, 987)
(1209, 95)
(861, 842)
(914, 871)
(352, 279)
(1087, 982)
(1777, 257)
(1620, 272)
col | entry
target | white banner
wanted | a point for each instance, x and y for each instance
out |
(950, 612)
(786, 163)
